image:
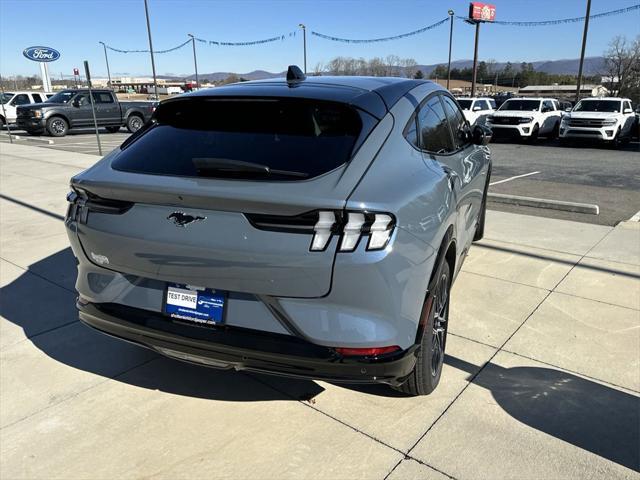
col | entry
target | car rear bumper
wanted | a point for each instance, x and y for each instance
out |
(236, 348)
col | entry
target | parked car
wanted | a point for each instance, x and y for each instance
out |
(70, 109)
(502, 97)
(309, 227)
(12, 100)
(526, 118)
(476, 109)
(608, 119)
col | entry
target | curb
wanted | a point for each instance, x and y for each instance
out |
(34, 139)
(544, 203)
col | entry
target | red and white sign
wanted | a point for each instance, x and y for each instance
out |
(76, 71)
(482, 12)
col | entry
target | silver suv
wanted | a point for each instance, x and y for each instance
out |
(309, 227)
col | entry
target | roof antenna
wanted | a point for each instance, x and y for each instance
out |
(294, 75)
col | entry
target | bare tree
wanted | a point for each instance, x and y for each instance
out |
(622, 67)
(390, 66)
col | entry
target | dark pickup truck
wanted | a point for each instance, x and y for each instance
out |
(69, 109)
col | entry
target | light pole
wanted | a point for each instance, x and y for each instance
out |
(475, 58)
(153, 63)
(195, 60)
(106, 59)
(304, 45)
(584, 45)
(450, 44)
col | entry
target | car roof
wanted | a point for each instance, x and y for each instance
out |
(620, 99)
(376, 95)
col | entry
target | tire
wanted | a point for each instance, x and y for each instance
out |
(555, 133)
(134, 123)
(479, 234)
(430, 357)
(113, 129)
(535, 133)
(57, 127)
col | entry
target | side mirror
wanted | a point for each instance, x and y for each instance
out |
(627, 110)
(567, 109)
(481, 135)
(476, 109)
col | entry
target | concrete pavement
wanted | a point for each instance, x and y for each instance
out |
(542, 377)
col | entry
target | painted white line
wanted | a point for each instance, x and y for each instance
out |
(635, 218)
(513, 178)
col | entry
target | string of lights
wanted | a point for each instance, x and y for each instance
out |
(277, 38)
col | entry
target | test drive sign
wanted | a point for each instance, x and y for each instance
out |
(482, 12)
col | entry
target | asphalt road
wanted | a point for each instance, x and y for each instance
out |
(591, 174)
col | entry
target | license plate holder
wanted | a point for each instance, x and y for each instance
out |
(201, 306)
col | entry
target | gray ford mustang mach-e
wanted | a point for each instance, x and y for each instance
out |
(308, 227)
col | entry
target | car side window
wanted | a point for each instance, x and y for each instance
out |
(21, 99)
(36, 98)
(435, 136)
(627, 104)
(484, 105)
(83, 100)
(492, 104)
(459, 127)
(411, 131)
(547, 106)
(102, 97)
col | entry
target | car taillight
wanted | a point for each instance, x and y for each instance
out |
(349, 226)
(366, 352)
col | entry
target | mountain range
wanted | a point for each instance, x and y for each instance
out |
(592, 66)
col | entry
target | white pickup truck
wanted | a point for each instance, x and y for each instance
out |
(608, 119)
(12, 100)
(476, 110)
(526, 118)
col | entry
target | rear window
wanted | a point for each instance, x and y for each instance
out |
(226, 138)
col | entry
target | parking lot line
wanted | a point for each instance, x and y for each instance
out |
(513, 178)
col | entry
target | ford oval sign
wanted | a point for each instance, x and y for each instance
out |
(41, 54)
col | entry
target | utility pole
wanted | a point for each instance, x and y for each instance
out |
(584, 46)
(304, 45)
(153, 63)
(106, 59)
(93, 107)
(451, 12)
(195, 60)
(475, 59)
(4, 112)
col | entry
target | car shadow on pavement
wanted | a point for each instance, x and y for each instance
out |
(587, 414)
(49, 319)
(597, 418)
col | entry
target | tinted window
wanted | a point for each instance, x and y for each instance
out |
(464, 103)
(5, 97)
(547, 106)
(482, 104)
(61, 97)
(457, 121)
(598, 106)
(522, 105)
(492, 103)
(102, 97)
(36, 97)
(21, 99)
(411, 132)
(435, 135)
(82, 99)
(192, 137)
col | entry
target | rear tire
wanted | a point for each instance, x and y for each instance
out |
(57, 127)
(430, 358)
(134, 123)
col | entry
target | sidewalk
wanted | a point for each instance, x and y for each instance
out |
(542, 377)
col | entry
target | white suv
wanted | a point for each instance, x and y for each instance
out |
(606, 119)
(476, 110)
(526, 118)
(11, 101)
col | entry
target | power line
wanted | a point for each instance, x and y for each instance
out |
(383, 39)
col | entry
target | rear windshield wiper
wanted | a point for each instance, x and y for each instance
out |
(206, 166)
